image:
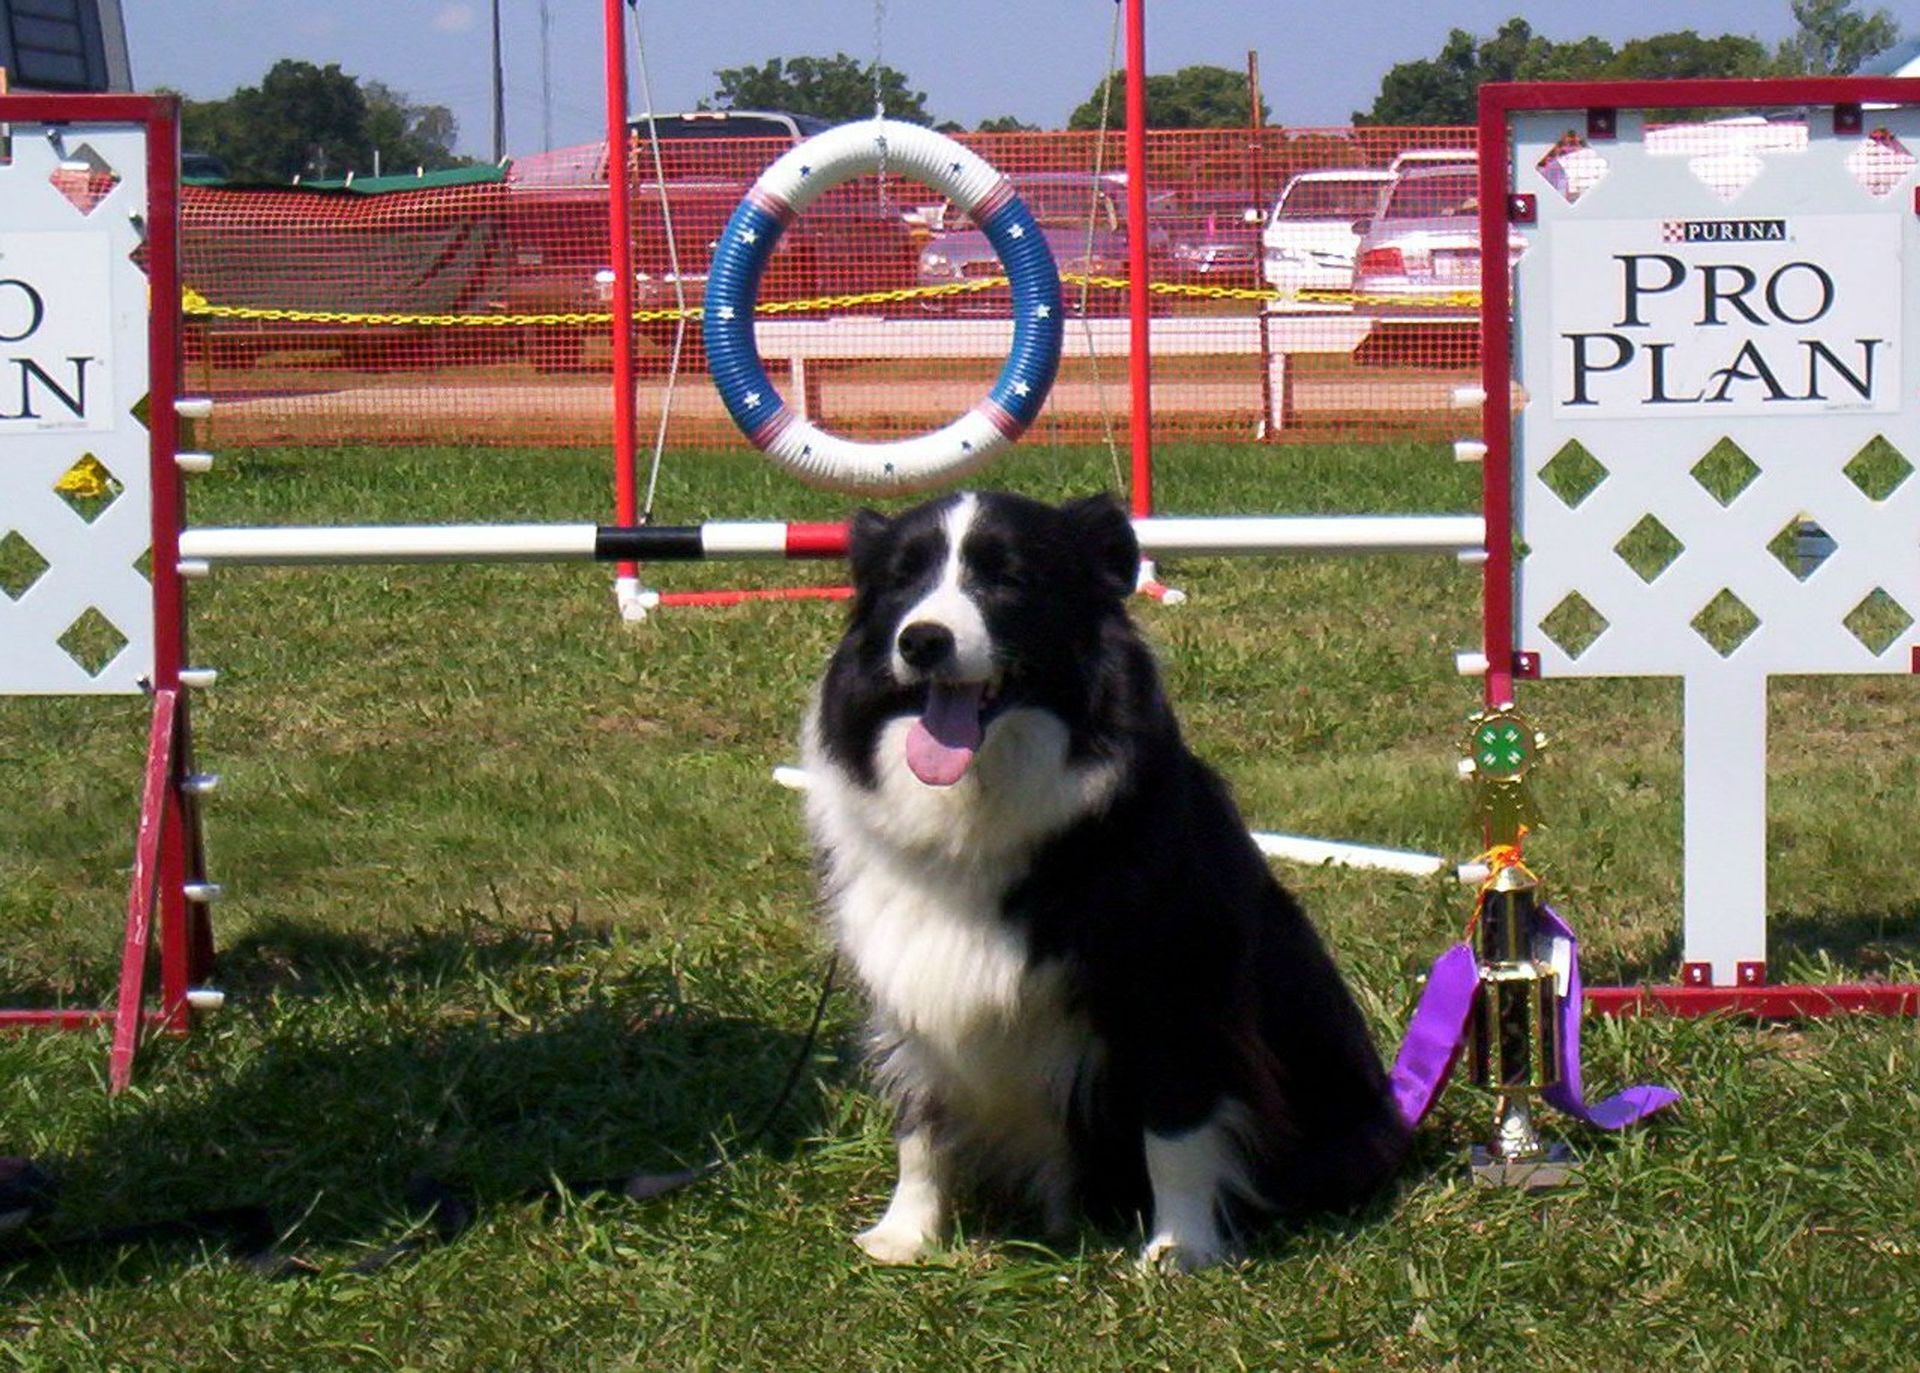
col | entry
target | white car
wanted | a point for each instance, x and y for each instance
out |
(1432, 157)
(1309, 239)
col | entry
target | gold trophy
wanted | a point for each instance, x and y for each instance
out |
(1513, 1032)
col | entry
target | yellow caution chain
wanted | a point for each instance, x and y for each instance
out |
(194, 305)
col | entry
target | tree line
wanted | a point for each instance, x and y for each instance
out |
(1830, 38)
(314, 122)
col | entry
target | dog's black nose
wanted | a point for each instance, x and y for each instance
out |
(926, 645)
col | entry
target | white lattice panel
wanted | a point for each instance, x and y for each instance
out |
(73, 372)
(1684, 295)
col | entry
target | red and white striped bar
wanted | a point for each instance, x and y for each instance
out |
(1162, 536)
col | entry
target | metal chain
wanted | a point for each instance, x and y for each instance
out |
(193, 305)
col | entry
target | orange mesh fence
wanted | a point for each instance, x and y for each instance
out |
(1288, 303)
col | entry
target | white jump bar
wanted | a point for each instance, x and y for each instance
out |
(1161, 536)
(1227, 535)
(296, 545)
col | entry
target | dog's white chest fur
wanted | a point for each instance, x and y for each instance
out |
(916, 876)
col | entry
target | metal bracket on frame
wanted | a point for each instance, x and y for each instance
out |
(1744, 974)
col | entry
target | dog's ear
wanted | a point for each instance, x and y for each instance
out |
(1100, 528)
(866, 536)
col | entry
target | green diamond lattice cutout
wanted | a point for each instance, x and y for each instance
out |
(1649, 548)
(92, 641)
(1877, 621)
(1725, 623)
(1572, 473)
(1725, 471)
(1801, 546)
(20, 564)
(1878, 469)
(1573, 625)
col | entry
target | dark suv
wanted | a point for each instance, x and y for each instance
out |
(854, 240)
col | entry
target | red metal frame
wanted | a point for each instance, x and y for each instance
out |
(1498, 207)
(1786, 1001)
(620, 249)
(169, 852)
(1139, 301)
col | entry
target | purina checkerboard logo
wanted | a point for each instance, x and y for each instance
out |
(1724, 231)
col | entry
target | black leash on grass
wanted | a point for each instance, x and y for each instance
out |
(248, 1236)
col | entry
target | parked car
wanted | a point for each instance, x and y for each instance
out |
(1213, 237)
(1421, 255)
(1084, 219)
(1309, 240)
(849, 242)
(1412, 158)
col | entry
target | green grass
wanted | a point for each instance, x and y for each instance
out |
(512, 898)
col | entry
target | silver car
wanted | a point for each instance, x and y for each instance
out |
(1084, 219)
(1420, 258)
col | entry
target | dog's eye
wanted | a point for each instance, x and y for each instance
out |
(991, 563)
(915, 559)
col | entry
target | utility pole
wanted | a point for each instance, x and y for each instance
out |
(1256, 137)
(546, 75)
(499, 93)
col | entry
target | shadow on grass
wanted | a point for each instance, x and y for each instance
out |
(290, 957)
(502, 1068)
(1829, 944)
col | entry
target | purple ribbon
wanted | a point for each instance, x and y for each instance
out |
(1439, 1029)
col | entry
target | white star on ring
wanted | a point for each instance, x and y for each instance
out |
(1020, 388)
(751, 399)
(1042, 311)
(747, 236)
(1017, 231)
(726, 312)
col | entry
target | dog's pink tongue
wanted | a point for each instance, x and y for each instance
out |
(941, 743)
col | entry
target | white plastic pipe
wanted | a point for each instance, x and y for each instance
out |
(1255, 534)
(1223, 535)
(294, 545)
(1298, 849)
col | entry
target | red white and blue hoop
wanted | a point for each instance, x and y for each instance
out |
(733, 281)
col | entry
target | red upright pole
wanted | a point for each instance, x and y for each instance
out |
(620, 248)
(182, 929)
(1496, 409)
(1139, 356)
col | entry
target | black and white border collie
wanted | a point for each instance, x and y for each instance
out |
(1089, 995)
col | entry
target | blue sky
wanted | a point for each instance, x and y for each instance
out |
(975, 59)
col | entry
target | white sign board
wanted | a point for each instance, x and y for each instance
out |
(1689, 317)
(1716, 461)
(56, 325)
(76, 610)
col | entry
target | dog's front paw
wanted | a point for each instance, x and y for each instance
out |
(1169, 1253)
(895, 1243)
